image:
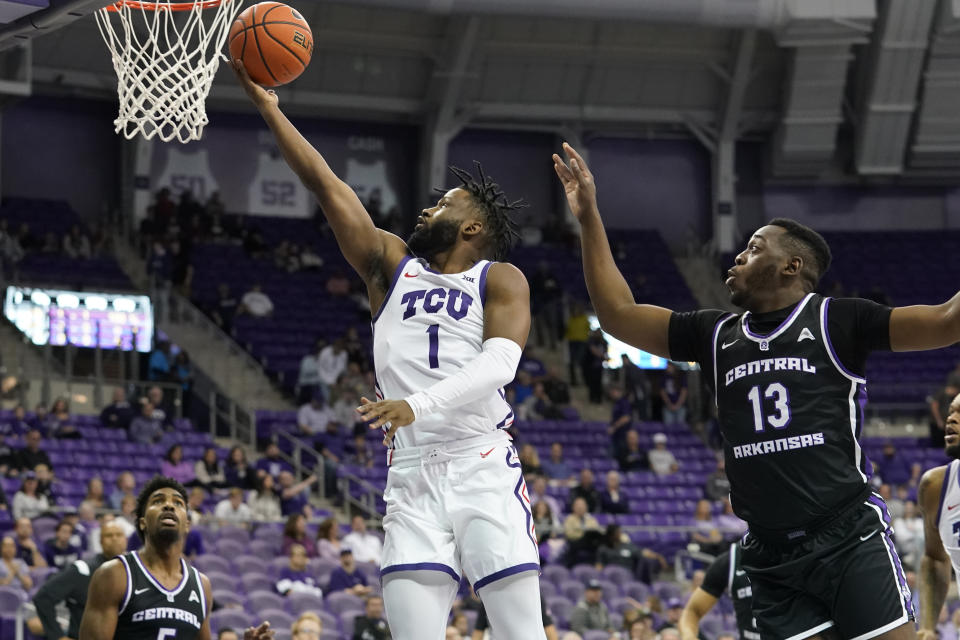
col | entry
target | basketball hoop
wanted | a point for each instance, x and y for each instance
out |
(164, 70)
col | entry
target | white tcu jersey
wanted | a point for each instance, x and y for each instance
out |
(429, 326)
(948, 516)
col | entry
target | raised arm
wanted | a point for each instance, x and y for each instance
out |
(641, 325)
(923, 327)
(107, 589)
(935, 564)
(373, 253)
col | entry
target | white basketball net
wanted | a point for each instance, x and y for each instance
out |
(165, 69)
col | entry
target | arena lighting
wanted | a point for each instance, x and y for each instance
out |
(82, 319)
(644, 360)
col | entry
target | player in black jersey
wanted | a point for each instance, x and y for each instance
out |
(724, 574)
(788, 378)
(154, 594)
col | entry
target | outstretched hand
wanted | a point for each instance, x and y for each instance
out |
(392, 413)
(263, 632)
(577, 182)
(261, 97)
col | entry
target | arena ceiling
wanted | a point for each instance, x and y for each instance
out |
(869, 86)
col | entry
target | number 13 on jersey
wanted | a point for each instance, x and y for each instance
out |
(781, 404)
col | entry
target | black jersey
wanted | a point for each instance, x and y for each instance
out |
(726, 574)
(790, 414)
(150, 612)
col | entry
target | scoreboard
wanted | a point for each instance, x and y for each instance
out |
(81, 318)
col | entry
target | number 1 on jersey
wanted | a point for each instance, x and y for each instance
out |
(781, 401)
(434, 332)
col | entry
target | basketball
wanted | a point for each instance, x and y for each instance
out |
(273, 41)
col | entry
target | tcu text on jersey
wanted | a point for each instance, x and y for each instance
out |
(456, 303)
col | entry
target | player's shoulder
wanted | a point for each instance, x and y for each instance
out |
(931, 485)
(110, 579)
(504, 278)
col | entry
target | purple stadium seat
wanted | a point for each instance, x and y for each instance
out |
(248, 564)
(235, 533)
(300, 602)
(620, 605)
(210, 562)
(233, 618)
(556, 573)
(229, 548)
(264, 548)
(616, 574)
(547, 589)
(585, 573)
(225, 597)
(347, 618)
(341, 601)
(330, 621)
(277, 617)
(572, 589)
(560, 607)
(636, 590)
(323, 565)
(277, 564)
(260, 599)
(257, 581)
(595, 634)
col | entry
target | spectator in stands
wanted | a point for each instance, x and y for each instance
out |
(226, 633)
(126, 486)
(529, 459)
(592, 363)
(892, 467)
(14, 572)
(556, 467)
(671, 620)
(18, 423)
(314, 417)
(556, 389)
(209, 472)
(366, 546)
(582, 532)
(707, 533)
(294, 496)
(8, 457)
(621, 418)
(182, 374)
(76, 243)
(295, 578)
(371, 625)
(145, 428)
(545, 524)
(295, 532)
(361, 453)
(263, 502)
(272, 463)
(533, 365)
(673, 393)
(909, 538)
(238, 472)
(254, 245)
(95, 495)
(328, 540)
(546, 298)
(4, 504)
(58, 422)
(895, 504)
(45, 482)
(637, 387)
(159, 365)
(617, 549)
(118, 414)
(51, 244)
(729, 523)
(174, 466)
(538, 493)
(225, 308)
(27, 503)
(632, 457)
(57, 551)
(347, 577)
(32, 455)
(586, 490)
(309, 259)
(307, 627)
(522, 387)
(939, 404)
(718, 485)
(591, 612)
(576, 334)
(128, 517)
(331, 363)
(196, 505)
(162, 409)
(308, 380)
(338, 285)
(232, 510)
(26, 548)
(661, 460)
(612, 499)
(256, 303)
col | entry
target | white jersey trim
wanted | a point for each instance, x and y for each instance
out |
(156, 583)
(129, 591)
(786, 324)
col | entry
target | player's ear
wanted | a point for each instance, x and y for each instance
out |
(794, 266)
(471, 227)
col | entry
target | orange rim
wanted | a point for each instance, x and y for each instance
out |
(164, 6)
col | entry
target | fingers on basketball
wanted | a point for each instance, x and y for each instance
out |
(273, 41)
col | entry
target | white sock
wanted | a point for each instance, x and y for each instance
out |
(513, 607)
(418, 604)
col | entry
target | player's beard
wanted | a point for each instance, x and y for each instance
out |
(952, 451)
(764, 279)
(166, 536)
(433, 238)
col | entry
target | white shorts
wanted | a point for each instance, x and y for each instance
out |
(460, 508)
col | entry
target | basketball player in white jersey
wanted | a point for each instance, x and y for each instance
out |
(939, 498)
(449, 326)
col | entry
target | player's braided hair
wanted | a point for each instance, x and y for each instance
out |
(156, 483)
(497, 209)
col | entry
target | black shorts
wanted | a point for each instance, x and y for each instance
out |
(845, 575)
